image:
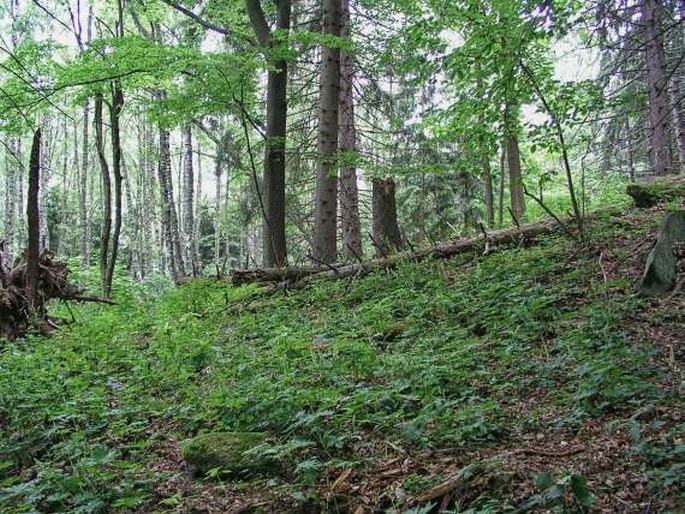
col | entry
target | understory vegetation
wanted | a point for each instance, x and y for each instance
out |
(534, 376)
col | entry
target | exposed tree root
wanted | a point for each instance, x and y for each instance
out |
(17, 314)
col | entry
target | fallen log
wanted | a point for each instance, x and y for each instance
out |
(296, 278)
(240, 277)
(649, 192)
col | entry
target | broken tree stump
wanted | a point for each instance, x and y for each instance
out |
(660, 272)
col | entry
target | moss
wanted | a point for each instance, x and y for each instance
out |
(648, 194)
(226, 450)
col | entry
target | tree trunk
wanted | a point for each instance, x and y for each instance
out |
(115, 115)
(198, 212)
(349, 192)
(502, 175)
(386, 232)
(518, 205)
(488, 191)
(106, 195)
(657, 84)
(83, 189)
(219, 159)
(188, 197)
(325, 230)
(33, 219)
(170, 219)
(11, 165)
(47, 139)
(678, 120)
(273, 194)
(135, 217)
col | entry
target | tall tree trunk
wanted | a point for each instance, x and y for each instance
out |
(518, 205)
(115, 115)
(106, 194)
(678, 119)
(188, 198)
(21, 221)
(502, 175)
(630, 149)
(47, 139)
(11, 166)
(273, 194)
(657, 84)
(386, 232)
(33, 219)
(134, 215)
(83, 189)
(325, 230)
(489, 193)
(219, 158)
(349, 191)
(198, 212)
(170, 219)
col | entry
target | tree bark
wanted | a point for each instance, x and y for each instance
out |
(502, 175)
(349, 191)
(657, 84)
(47, 139)
(518, 205)
(83, 189)
(678, 120)
(11, 166)
(188, 200)
(386, 232)
(106, 194)
(170, 219)
(115, 115)
(273, 194)
(488, 191)
(33, 219)
(325, 230)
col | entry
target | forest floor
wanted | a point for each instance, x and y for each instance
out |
(529, 380)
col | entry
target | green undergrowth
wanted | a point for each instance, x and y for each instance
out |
(469, 353)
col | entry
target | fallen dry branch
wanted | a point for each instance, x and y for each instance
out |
(296, 278)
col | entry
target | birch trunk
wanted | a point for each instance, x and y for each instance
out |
(188, 198)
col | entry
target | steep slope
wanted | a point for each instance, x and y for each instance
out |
(533, 378)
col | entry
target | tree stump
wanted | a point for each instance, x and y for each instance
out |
(660, 272)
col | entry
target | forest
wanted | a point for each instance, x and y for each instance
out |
(350, 256)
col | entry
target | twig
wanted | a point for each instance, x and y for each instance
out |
(599, 261)
(354, 252)
(513, 217)
(549, 211)
(329, 266)
(93, 299)
(378, 246)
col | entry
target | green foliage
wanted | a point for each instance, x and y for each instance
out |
(425, 356)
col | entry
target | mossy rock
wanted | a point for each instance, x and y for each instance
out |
(226, 451)
(656, 190)
(660, 272)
